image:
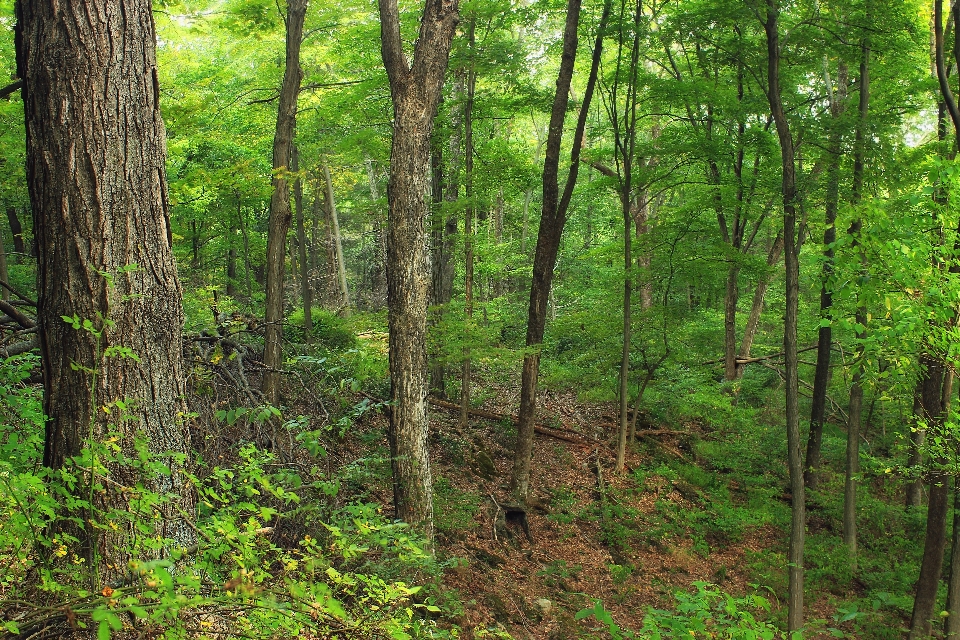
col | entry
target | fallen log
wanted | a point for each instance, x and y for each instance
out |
(491, 415)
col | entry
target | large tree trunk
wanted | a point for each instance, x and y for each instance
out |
(825, 337)
(97, 182)
(415, 91)
(553, 218)
(280, 214)
(792, 252)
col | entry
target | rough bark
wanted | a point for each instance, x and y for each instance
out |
(791, 250)
(280, 214)
(95, 160)
(415, 90)
(553, 218)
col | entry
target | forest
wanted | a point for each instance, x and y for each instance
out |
(537, 319)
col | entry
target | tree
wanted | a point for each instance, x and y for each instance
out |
(553, 218)
(96, 174)
(415, 89)
(280, 214)
(792, 251)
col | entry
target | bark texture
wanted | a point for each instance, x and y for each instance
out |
(95, 170)
(280, 213)
(415, 90)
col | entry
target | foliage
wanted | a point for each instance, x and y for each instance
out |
(274, 554)
(708, 611)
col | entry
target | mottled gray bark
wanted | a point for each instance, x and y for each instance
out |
(415, 89)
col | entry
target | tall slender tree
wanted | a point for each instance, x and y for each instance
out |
(552, 220)
(280, 213)
(792, 251)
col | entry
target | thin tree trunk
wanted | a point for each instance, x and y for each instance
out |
(825, 337)
(337, 242)
(93, 129)
(415, 90)
(248, 271)
(792, 251)
(280, 214)
(232, 262)
(554, 212)
(625, 135)
(852, 468)
(17, 230)
(914, 490)
(641, 218)
(468, 221)
(5, 295)
(756, 308)
(306, 293)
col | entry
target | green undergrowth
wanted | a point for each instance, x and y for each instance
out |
(282, 549)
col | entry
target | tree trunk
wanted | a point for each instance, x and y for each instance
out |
(445, 227)
(918, 433)
(306, 293)
(756, 307)
(16, 229)
(730, 300)
(280, 214)
(415, 91)
(337, 241)
(4, 275)
(625, 136)
(468, 216)
(852, 468)
(792, 251)
(924, 603)
(553, 218)
(825, 337)
(94, 131)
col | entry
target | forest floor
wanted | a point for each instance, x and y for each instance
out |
(533, 589)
